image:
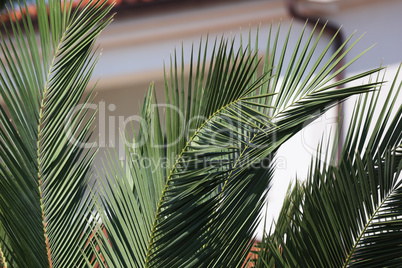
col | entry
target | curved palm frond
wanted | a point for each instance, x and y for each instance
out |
(43, 174)
(222, 127)
(350, 215)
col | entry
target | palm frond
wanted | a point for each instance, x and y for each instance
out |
(44, 174)
(350, 214)
(3, 254)
(218, 139)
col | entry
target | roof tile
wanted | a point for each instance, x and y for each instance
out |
(17, 15)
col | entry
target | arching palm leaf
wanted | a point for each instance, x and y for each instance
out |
(222, 127)
(349, 215)
(43, 175)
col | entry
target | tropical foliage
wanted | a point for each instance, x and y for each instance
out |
(190, 192)
(43, 177)
(201, 207)
(347, 215)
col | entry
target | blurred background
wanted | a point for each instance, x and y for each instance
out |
(144, 34)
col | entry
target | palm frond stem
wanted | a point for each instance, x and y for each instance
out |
(39, 151)
(367, 225)
(174, 167)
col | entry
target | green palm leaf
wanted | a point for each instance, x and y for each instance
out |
(218, 139)
(44, 175)
(349, 215)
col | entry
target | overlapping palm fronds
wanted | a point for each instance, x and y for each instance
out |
(348, 215)
(43, 175)
(222, 126)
